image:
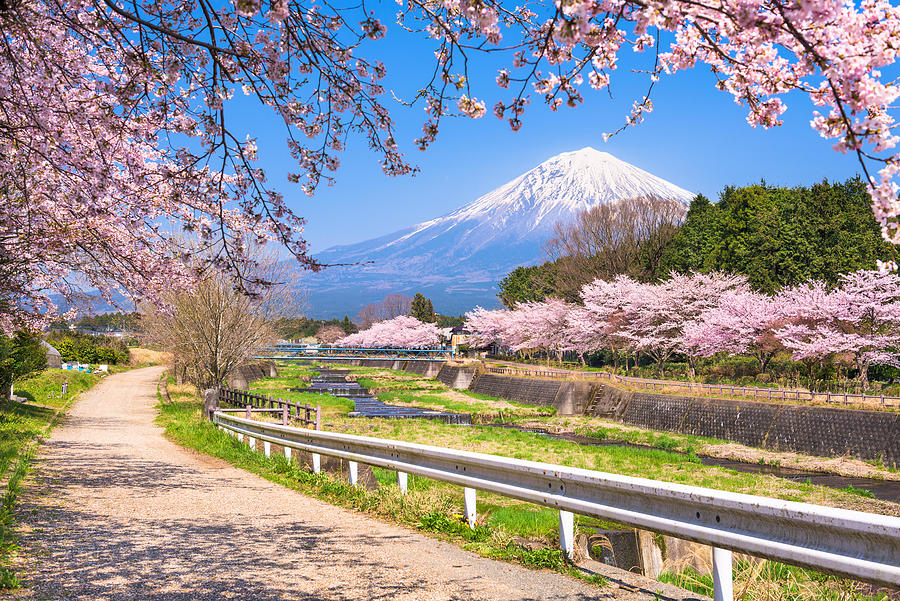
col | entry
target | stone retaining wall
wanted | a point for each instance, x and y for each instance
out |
(522, 390)
(822, 431)
(240, 380)
(459, 377)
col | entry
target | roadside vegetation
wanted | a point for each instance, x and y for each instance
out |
(508, 529)
(22, 426)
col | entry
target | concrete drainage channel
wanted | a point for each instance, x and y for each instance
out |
(337, 382)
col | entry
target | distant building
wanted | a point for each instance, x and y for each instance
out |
(54, 359)
(458, 335)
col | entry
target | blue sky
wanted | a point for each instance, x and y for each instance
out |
(696, 137)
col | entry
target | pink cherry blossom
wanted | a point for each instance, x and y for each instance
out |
(402, 331)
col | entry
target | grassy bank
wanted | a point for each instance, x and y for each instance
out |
(506, 529)
(22, 425)
(509, 529)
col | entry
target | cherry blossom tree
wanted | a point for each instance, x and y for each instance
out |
(655, 315)
(603, 319)
(402, 331)
(832, 51)
(741, 323)
(486, 326)
(115, 136)
(117, 140)
(859, 318)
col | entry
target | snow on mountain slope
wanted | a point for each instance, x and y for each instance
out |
(480, 242)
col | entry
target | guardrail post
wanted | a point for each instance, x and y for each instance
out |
(252, 442)
(316, 463)
(471, 514)
(567, 532)
(403, 482)
(723, 584)
(287, 453)
(267, 448)
(353, 467)
(240, 436)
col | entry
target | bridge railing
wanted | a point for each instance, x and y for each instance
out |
(769, 394)
(298, 351)
(853, 544)
(249, 403)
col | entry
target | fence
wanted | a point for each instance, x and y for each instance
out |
(853, 544)
(300, 351)
(771, 394)
(256, 403)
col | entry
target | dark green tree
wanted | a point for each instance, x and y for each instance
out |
(449, 321)
(526, 284)
(20, 355)
(422, 309)
(780, 236)
(348, 326)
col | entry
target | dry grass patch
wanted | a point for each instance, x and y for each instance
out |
(139, 356)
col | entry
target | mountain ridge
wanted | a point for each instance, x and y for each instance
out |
(474, 246)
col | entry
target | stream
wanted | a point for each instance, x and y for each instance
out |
(335, 382)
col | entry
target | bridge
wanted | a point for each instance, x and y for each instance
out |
(292, 351)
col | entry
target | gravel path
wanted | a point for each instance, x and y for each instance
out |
(116, 511)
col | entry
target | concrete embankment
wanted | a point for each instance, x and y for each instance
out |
(821, 431)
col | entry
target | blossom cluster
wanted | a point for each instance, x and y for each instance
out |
(121, 172)
(700, 315)
(402, 331)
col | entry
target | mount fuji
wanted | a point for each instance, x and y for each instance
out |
(458, 259)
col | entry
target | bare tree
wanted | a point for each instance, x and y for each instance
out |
(214, 329)
(624, 237)
(393, 305)
(330, 334)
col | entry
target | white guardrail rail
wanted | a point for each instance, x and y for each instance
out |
(854, 544)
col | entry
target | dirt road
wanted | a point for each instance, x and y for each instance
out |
(116, 511)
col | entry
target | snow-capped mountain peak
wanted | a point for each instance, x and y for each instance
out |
(505, 228)
(562, 186)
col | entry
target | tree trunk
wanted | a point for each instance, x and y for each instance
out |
(863, 374)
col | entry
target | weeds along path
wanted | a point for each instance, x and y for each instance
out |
(116, 511)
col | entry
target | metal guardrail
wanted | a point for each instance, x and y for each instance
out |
(857, 545)
(299, 351)
(770, 394)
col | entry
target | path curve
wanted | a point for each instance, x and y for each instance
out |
(116, 511)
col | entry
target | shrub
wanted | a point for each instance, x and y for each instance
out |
(89, 349)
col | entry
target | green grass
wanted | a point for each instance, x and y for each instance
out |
(436, 507)
(46, 388)
(862, 492)
(684, 443)
(659, 464)
(663, 456)
(21, 426)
